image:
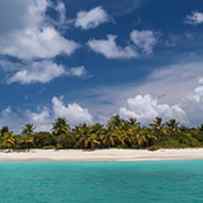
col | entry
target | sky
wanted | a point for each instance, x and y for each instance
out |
(88, 60)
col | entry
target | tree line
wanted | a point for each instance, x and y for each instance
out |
(117, 133)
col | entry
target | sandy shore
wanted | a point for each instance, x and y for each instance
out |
(103, 155)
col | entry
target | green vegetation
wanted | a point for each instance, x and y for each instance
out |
(117, 133)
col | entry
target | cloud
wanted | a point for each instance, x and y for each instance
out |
(58, 17)
(14, 120)
(162, 95)
(196, 18)
(35, 37)
(39, 72)
(144, 40)
(41, 120)
(171, 84)
(91, 19)
(61, 9)
(43, 72)
(168, 82)
(145, 108)
(79, 71)
(36, 43)
(109, 48)
(73, 113)
(198, 94)
(9, 66)
(194, 105)
(18, 15)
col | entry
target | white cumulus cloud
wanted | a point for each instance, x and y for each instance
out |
(145, 108)
(79, 71)
(32, 37)
(91, 19)
(73, 113)
(61, 9)
(43, 72)
(196, 18)
(194, 105)
(145, 40)
(42, 121)
(109, 48)
(14, 120)
(37, 43)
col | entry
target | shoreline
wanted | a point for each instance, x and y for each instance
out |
(122, 155)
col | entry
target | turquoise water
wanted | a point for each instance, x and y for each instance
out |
(54, 182)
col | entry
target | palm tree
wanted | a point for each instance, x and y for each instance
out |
(28, 129)
(115, 132)
(9, 141)
(134, 123)
(62, 133)
(172, 127)
(91, 141)
(60, 127)
(145, 138)
(157, 127)
(201, 128)
(25, 142)
(44, 139)
(4, 130)
(80, 134)
(157, 124)
(114, 122)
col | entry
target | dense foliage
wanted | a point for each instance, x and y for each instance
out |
(117, 133)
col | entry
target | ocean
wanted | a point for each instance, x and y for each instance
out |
(102, 182)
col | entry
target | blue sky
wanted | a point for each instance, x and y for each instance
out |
(88, 60)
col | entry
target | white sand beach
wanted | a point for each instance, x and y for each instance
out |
(102, 155)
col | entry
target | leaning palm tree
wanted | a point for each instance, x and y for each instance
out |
(145, 138)
(79, 133)
(118, 137)
(91, 141)
(9, 141)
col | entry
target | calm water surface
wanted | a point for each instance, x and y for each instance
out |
(112, 182)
